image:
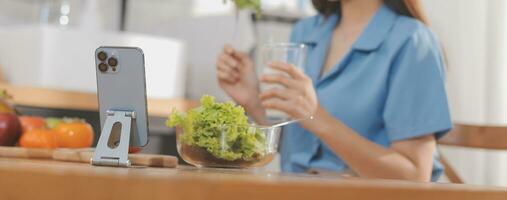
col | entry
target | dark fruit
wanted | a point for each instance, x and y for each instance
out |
(10, 129)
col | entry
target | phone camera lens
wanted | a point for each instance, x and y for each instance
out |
(102, 56)
(113, 62)
(103, 67)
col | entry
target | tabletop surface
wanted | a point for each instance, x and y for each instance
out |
(45, 179)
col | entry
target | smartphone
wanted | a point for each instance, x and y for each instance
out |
(121, 85)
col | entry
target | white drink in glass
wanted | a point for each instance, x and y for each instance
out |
(291, 53)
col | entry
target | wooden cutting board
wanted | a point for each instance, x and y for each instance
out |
(84, 155)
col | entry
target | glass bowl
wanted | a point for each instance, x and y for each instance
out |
(228, 146)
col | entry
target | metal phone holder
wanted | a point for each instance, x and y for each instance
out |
(113, 146)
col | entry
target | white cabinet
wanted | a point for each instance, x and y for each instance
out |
(53, 57)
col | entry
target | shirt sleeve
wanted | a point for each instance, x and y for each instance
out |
(416, 103)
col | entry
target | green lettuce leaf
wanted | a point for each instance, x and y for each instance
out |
(248, 4)
(220, 128)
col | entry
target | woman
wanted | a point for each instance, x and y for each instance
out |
(373, 82)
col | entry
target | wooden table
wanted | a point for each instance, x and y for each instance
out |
(61, 99)
(53, 180)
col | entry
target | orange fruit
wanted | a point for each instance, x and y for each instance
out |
(75, 134)
(39, 138)
(29, 123)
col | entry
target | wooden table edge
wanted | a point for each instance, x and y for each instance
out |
(56, 180)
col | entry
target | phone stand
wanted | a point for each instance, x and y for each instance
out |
(113, 146)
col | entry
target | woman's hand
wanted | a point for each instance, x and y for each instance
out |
(236, 75)
(298, 99)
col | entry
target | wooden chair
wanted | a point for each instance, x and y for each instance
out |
(2, 80)
(484, 137)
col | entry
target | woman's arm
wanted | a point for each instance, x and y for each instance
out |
(409, 159)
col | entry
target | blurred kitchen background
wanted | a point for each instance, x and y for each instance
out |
(50, 43)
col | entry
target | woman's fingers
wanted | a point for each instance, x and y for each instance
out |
(243, 58)
(231, 56)
(227, 66)
(228, 49)
(288, 101)
(225, 72)
(241, 55)
(228, 59)
(224, 67)
(234, 58)
(298, 100)
(290, 69)
(277, 93)
(278, 79)
(227, 77)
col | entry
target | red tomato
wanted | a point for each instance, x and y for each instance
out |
(135, 149)
(29, 123)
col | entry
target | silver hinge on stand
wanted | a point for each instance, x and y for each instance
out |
(113, 146)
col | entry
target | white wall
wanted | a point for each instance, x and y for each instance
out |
(204, 36)
(474, 36)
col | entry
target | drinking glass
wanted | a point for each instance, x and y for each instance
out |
(291, 53)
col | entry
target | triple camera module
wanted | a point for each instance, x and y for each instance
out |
(106, 62)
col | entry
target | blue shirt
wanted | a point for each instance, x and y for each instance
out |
(388, 87)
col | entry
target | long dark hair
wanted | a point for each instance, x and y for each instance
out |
(411, 8)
